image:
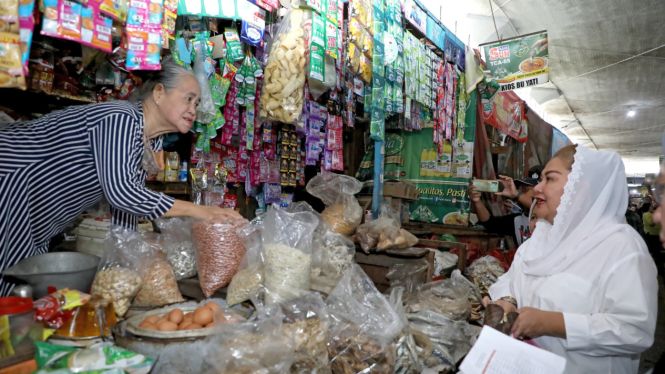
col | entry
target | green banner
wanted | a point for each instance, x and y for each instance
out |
(518, 62)
(442, 181)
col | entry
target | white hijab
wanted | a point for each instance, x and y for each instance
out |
(592, 208)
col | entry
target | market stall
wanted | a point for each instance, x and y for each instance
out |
(342, 131)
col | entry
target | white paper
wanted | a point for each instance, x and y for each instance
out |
(212, 8)
(229, 8)
(496, 353)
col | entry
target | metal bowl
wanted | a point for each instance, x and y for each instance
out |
(73, 270)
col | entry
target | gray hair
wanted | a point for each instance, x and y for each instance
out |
(169, 77)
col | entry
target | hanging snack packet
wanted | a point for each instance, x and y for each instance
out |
(318, 29)
(170, 14)
(9, 16)
(117, 9)
(316, 63)
(143, 48)
(331, 39)
(234, 48)
(11, 65)
(26, 25)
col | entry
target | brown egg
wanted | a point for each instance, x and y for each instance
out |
(176, 316)
(193, 326)
(214, 307)
(147, 325)
(167, 326)
(189, 317)
(183, 325)
(211, 324)
(161, 321)
(152, 319)
(203, 316)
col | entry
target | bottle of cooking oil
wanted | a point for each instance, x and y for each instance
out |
(431, 162)
(463, 160)
(445, 161)
(423, 163)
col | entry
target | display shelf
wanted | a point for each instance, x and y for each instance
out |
(170, 188)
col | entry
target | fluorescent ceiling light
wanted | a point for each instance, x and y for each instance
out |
(631, 113)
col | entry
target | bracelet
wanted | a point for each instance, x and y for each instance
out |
(519, 193)
(510, 299)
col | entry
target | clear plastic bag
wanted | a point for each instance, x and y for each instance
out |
(447, 297)
(159, 286)
(474, 293)
(179, 245)
(385, 233)
(484, 272)
(119, 275)
(450, 340)
(306, 318)
(282, 97)
(206, 110)
(364, 326)
(343, 213)
(408, 275)
(218, 252)
(317, 240)
(318, 88)
(250, 271)
(407, 349)
(338, 254)
(260, 345)
(287, 245)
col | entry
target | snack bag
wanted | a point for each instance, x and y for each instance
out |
(11, 64)
(170, 14)
(9, 16)
(99, 358)
(116, 9)
(283, 95)
(27, 25)
(144, 46)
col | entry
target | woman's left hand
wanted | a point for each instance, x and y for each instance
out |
(534, 323)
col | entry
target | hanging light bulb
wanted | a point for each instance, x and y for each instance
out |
(631, 113)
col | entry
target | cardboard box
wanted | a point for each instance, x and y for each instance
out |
(402, 189)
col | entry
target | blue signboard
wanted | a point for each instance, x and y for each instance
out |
(435, 33)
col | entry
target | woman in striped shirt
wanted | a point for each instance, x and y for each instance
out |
(52, 168)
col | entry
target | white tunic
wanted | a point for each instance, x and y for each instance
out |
(609, 301)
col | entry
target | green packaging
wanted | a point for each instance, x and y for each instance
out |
(331, 39)
(316, 62)
(211, 130)
(318, 29)
(233, 45)
(331, 10)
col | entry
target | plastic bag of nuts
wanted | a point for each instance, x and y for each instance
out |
(119, 275)
(218, 252)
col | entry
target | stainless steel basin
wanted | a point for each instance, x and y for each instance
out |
(73, 270)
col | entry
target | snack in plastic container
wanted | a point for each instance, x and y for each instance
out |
(119, 276)
(283, 94)
(159, 286)
(218, 252)
(343, 213)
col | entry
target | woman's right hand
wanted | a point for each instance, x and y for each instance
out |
(215, 212)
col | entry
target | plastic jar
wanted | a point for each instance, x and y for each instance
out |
(20, 315)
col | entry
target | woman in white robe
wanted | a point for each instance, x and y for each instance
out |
(585, 284)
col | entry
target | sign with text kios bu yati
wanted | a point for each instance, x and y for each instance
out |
(518, 62)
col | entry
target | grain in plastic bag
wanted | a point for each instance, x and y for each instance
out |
(343, 213)
(250, 271)
(179, 245)
(259, 345)
(218, 252)
(364, 326)
(317, 240)
(160, 286)
(338, 255)
(287, 245)
(120, 272)
(283, 92)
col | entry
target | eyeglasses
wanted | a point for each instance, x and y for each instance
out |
(656, 190)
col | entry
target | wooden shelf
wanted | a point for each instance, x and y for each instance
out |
(170, 188)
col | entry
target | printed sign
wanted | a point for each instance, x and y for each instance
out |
(415, 15)
(519, 62)
(436, 34)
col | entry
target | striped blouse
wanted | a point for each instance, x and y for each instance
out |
(54, 167)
